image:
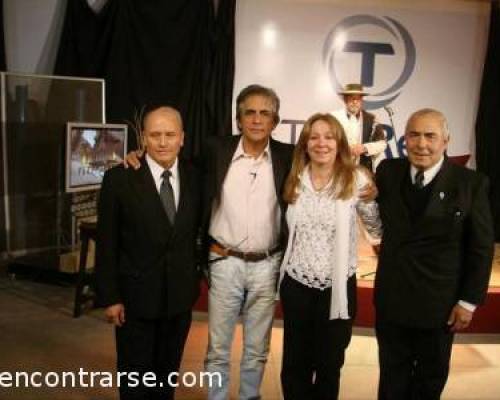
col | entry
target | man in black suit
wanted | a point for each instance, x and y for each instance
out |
(435, 259)
(146, 266)
(244, 177)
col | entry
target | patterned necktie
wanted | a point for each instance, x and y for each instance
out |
(419, 179)
(167, 196)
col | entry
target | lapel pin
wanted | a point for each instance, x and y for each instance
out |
(441, 195)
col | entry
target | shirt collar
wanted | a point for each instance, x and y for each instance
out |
(240, 152)
(157, 169)
(429, 174)
(358, 116)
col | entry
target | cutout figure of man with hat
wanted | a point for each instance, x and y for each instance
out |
(365, 136)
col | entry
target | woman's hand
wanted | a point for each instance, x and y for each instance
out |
(368, 192)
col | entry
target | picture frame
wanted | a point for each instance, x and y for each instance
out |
(91, 149)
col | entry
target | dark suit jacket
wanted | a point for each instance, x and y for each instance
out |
(425, 267)
(369, 135)
(141, 259)
(218, 153)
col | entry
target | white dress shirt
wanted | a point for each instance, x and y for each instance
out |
(429, 174)
(157, 171)
(248, 215)
(353, 127)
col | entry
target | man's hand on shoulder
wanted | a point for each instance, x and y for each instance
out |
(115, 314)
(132, 159)
(358, 149)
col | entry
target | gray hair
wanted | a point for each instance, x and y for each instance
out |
(258, 90)
(424, 112)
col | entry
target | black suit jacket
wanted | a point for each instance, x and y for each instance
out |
(141, 259)
(425, 267)
(370, 135)
(218, 153)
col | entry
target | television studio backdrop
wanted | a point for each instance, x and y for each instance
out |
(408, 55)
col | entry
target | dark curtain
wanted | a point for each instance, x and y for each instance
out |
(488, 120)
(85, 40)
(3, 67)
(156, 51)
(3, 63)
(222, 75)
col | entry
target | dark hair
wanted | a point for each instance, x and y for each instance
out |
(258, 90)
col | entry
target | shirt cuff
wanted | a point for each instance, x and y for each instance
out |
(468, 306)
(375, 148)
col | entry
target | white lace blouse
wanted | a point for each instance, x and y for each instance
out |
(311, 260)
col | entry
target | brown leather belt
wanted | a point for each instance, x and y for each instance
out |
(217, 248)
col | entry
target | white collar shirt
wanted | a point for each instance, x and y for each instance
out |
(429, 174)
(157, 171)
(247, 217)
(353, 125)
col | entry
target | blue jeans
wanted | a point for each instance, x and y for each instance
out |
(248, 289)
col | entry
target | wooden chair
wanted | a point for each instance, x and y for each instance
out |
(85, 279)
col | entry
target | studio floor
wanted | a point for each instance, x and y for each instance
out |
(37, 333)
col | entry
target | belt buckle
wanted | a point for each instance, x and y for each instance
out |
(254, 256)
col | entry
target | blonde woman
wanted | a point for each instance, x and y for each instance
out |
(317, 276)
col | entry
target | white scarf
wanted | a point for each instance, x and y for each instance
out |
(343, 210)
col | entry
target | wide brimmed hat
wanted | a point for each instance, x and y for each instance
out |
(353, 88)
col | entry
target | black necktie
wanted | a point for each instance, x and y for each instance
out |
(167, 196)
(419, 179)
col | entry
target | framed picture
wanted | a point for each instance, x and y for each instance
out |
(91, 149)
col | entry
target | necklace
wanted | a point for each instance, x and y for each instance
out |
(320, 183)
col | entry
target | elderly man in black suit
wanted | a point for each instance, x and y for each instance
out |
(146, 265)
(435, 259)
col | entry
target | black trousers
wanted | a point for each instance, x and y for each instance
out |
(414, 363)
(150, 345)
(313, 345)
